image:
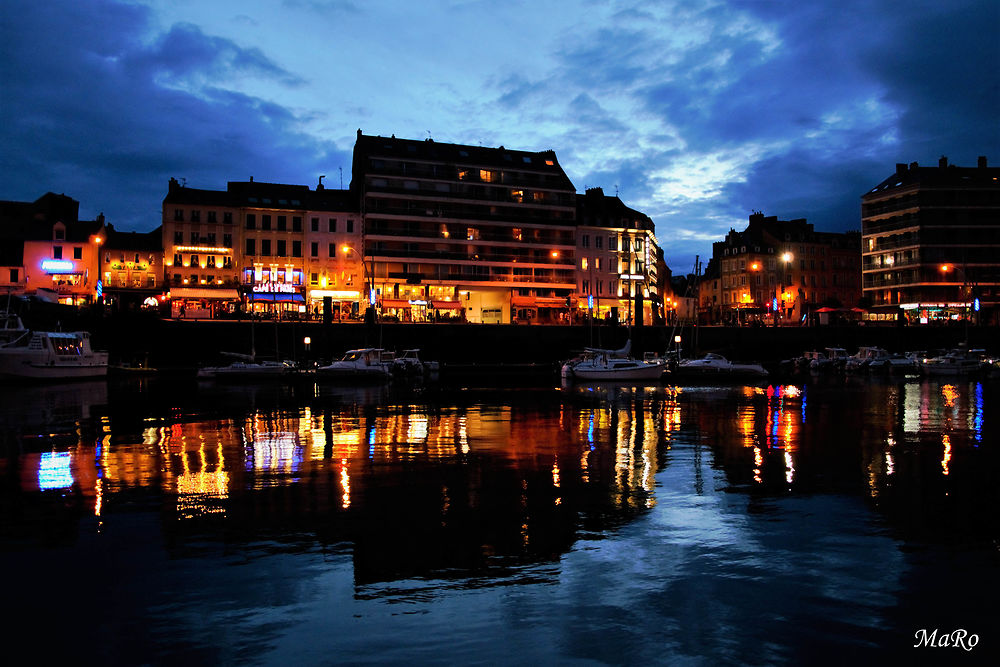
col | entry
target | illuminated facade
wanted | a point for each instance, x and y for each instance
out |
(466, 232)
(131, 267)
(258, 246)
(930, 240)
(59, 252)
(784, 268)
(617, 257)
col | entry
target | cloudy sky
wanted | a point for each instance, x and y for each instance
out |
(696, 111)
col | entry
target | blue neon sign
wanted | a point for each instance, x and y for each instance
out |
(56, 265)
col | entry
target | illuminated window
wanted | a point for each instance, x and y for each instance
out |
(487, 176)
(584, 264)
(517, 195)
(517, 233)
(549, 162)
(463, 174)
(472, 233)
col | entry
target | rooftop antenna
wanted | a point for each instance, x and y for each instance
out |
(341, 177)
(429, 134)
(616, 189)
(184, 182)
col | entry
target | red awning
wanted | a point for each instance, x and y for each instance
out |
(395, 303)
(447, 305)
(551, 302)
(518, 300)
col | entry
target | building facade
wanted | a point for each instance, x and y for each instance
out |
(59, 258)
(618, 260)
(260, 247)
(131, 268)
(930, 242)
(779, 271)
(466, 232)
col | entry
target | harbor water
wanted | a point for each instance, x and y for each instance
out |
(830, 520)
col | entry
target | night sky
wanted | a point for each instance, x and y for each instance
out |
(697, 112)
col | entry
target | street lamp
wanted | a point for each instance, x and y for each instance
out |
(369, 287)
(945, 268)
(99, 286)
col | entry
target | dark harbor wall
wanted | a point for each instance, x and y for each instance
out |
(141, 337)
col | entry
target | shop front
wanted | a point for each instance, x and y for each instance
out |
(343, 304)
(275, 292)
(202, 302)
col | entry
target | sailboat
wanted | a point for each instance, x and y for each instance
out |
(247, 366)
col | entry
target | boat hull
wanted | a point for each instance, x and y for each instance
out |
(29, 367)
(646, 372)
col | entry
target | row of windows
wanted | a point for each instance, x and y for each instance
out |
(599, 286)
(623, 265)
(280, 247)
(629, 244)
(208, 239)
(224, 262)
(57, 252)
(281, 222)
(194, 215)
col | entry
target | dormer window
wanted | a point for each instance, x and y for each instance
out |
(59, 233)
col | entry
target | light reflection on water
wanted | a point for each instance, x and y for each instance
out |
(669, 521)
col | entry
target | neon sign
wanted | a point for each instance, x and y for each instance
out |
(56, 265)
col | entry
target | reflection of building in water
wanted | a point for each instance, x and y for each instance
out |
(413, 489)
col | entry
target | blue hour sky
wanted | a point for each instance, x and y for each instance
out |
(697, 111)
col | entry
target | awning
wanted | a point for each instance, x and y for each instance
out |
(551, 301)
(203, 293)
(518, 300)
(447, 305)
(277, 296)
(395, 303)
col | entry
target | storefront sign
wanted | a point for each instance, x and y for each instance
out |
(56, 265)
(274, 288)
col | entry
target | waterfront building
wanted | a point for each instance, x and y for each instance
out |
(466, 232)
(58, 251)
(335, 272)
(930, 237)
(130, 266)
(246, 248)
(619, 261)
(785, 269)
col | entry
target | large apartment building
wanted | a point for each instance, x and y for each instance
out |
(930, 240)
(487, 234)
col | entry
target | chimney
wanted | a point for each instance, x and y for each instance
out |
(982, 162)
(913, 166)
(943, 162)
(100, 217)
(900, 168)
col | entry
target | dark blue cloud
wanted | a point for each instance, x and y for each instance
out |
(101, 107)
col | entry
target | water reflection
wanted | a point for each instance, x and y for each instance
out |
(639, 495)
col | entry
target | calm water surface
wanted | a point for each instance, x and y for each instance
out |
(155, 522)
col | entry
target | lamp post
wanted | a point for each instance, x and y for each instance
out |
(945, 269)
(786, 258)
(99, 285)
(369, 288)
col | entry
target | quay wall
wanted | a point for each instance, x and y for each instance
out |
(132, 337)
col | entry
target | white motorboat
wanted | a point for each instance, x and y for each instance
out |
(832, 358)
(248, 369)
(959, 361)
(408, 363)
(867, 358)
(715, 365)
(52, 355)
(365, 363)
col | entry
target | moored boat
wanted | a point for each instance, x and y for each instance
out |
(370, 363)
(601, 365)
(52, 355)
(715, 365)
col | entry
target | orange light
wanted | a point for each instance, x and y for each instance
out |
(787, 257)
(945, 268)
(555, 253)
(755, 266)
